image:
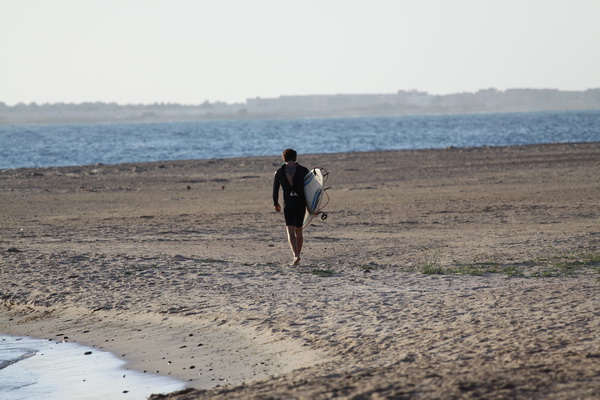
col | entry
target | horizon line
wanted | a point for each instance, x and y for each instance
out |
(291, 95)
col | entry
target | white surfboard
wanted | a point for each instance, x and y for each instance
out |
(314, 193)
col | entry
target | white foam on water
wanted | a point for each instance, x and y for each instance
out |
(42, 369)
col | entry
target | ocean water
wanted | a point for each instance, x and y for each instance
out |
(83, 144)
(54, 370)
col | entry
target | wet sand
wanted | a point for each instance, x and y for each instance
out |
(456, 273)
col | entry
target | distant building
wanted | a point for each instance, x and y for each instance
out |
(415, 102)
(323, 104)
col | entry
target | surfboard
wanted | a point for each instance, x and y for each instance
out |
(314, 193)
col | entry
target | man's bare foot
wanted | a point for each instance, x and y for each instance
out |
(296, 261)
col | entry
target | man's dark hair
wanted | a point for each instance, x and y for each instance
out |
(289, 155)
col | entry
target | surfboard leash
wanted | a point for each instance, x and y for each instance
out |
(325, 177)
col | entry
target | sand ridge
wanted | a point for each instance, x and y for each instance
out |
(378, 307)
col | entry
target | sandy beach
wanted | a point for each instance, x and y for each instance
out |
(462, 273)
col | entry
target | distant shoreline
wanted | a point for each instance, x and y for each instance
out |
(402, 103)
(233, 117)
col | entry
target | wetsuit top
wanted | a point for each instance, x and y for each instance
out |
(293, 195)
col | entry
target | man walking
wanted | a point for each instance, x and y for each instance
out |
(290, 177)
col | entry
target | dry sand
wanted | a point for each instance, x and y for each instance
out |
(456, 273)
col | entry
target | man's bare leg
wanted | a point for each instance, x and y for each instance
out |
(295, 240)
(299, 241)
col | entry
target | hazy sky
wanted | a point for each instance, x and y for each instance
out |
(189, 51)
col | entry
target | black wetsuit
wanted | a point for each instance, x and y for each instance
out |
(294, 202)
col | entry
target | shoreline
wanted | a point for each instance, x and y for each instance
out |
(199, 353)
(59, 369)
(277, 156)
(449, 273)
